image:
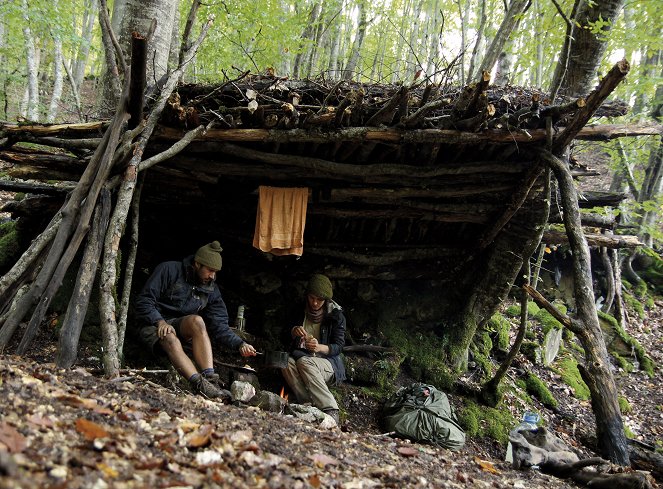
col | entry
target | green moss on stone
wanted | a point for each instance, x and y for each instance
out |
(538, 389)
(9, 244)
(624, 406)
(646, 363)
(568, 369)
(483, 421)
(548, 321)
(513, 311)
(634, 304)
(421, 354)
(500, 326)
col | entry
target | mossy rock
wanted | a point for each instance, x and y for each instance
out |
(532, 351)
(514, 309)
(567, 368)
(536, 388)
(10, 249)
(548, 321)
(500, 327)
(624, 406)
(634, 304)
(621, 344)
(482, 421)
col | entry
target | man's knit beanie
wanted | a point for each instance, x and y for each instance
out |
(210, 255)
(320, 286)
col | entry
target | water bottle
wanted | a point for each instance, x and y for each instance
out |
(239, 322)
(528, 423)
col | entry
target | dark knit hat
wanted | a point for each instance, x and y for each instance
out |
(210, 255)
(320, 286)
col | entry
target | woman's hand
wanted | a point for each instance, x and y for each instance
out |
(298, 332)
(311, 344)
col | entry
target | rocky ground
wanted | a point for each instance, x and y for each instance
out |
(75, 429)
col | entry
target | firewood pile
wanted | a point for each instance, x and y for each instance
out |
(258, 101)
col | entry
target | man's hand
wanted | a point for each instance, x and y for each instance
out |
(163, 329)
(247, 350)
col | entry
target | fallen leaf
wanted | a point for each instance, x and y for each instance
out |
(108, 471)
(201, 437)
(408, 451)
(90, 430)
(321, 460)
(14, 441)
(314, 480)
(486, 466)
(39, 420)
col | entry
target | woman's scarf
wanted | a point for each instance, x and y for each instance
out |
(315, 316)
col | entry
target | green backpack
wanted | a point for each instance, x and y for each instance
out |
(422, 413)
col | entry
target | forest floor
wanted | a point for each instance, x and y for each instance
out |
(75, 429)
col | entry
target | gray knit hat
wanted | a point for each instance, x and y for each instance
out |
(210, 255)
(320, 286)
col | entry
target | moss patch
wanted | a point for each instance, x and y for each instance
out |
(9, 245)
(568, 370)
(646, 363)
(624, 406)
(421, 354)
(483, 421)
(548, 321)
(499, 326)
(536, 388)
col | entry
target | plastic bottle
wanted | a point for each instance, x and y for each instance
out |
(528, 423)
(239, 322)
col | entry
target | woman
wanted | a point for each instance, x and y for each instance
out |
(315, 360)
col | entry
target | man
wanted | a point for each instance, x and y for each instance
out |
(181, 303)
(318, 340)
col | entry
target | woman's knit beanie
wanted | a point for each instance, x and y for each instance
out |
(320, 286)
(210, 255)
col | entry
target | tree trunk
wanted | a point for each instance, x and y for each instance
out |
(351, 66)
(511, 19)
(651, 187)
(479, 43)
(596, 371)
(74, 318)
(307, 36)
(587, 46)
(489, 278)
(32, 106)
(58, 79)
(82, 56)
(138, 16)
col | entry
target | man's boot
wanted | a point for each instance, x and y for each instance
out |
(200, 385)
(334, 414)
(214, 379)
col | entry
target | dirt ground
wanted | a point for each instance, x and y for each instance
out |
(75, 429)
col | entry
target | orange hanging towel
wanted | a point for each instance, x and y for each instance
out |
(280, 220)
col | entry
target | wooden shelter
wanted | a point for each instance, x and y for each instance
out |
(423, 200)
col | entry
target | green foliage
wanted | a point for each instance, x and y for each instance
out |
(538, 389)
(568, 369)
(482, 421)
(513, 311)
